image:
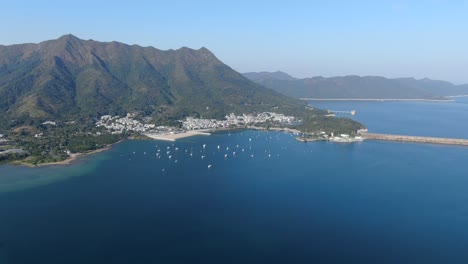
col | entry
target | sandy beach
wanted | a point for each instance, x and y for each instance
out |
(175, 136)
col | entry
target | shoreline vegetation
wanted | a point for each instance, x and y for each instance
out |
(60, 143)
(382, 100)
(206, 132)
(68, 161)
(164, 137)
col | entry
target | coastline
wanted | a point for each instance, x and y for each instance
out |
(374, 99)
(72, 158)
(457, 96)
(164, 137)
(175, 136)
(75, 156)
(207, 132)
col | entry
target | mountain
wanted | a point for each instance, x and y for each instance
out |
(260, 76)
(71, 82)
(71, 77)
(355, 87)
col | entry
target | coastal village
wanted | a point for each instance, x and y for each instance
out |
(191, 126)
(118, 125)
(199, 126)
(134, 124)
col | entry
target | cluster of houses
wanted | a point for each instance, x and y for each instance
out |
(232, 120)
(117, 125)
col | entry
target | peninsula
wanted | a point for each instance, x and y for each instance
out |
(67, 96)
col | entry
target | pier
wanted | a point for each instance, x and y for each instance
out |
(416, 139)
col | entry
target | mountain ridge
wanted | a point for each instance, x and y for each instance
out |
(71, 76)
(360, 87)
(52, 93)
(277, 75)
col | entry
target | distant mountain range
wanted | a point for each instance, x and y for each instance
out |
(356, 87)
(261, 76)
(69, 77)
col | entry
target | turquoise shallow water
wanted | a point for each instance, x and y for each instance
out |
(292, 202)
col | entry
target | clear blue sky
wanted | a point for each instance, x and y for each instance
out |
(304, 38)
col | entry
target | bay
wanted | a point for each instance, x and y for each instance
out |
(434, 119)
(275, 200)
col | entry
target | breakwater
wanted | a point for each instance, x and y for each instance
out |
(416, 139)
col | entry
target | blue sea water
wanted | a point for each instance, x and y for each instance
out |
(291, 202)
(435, 119)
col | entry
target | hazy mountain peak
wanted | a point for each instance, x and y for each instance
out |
(277, 75)
(358, 87)
(68, 37)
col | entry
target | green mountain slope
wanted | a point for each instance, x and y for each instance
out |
(74, 77)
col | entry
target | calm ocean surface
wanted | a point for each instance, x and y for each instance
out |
(275, 200)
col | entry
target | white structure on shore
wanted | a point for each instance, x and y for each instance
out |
(50, 123)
